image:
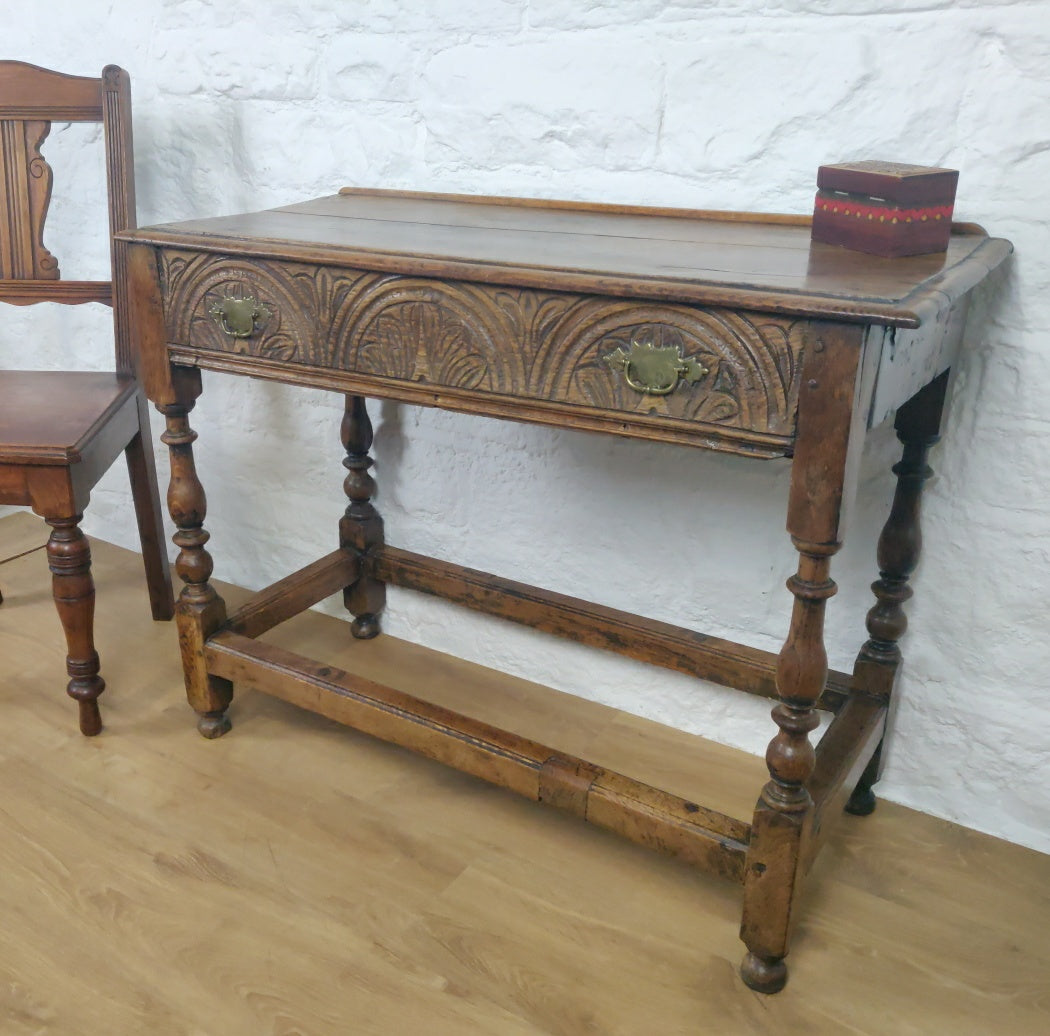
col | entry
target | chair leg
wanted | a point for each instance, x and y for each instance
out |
(69, 559)
(143, 474)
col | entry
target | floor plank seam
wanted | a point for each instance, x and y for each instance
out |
(25, 553)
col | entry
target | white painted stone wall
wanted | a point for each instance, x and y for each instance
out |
(673, 102)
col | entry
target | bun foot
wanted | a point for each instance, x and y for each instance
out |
(365, 627)
(764, 976)
(862, 802)
(213, 724)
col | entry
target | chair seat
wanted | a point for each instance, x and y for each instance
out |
(52, 417)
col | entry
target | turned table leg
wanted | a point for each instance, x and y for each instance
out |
(199, 611)
(783, 809)
(900, 545)
(822, 479)
(361, 527)
(69, 558)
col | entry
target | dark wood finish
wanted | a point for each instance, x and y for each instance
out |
(852, 738)
(742, 261)
(727, 331)
(69, 558)
(896, 182)
(361, 529)
(918, 427)
(60, 431)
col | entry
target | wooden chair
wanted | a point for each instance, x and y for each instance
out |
(60, 431)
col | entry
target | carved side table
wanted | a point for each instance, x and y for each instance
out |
(724, 331)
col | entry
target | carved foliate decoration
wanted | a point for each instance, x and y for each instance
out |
(730, 370)
(201, 288)
(419, 330)
(748, 368)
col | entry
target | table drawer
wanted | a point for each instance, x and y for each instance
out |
(239, 306)
(725, 369)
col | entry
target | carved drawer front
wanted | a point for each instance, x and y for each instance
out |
(242, 306)
(712, 366)
(717, 367)
(721, 368)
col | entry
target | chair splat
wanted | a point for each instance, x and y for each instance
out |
(25, 191)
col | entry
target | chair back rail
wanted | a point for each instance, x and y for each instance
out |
(31, 98)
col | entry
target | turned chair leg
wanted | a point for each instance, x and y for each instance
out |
(69, 559)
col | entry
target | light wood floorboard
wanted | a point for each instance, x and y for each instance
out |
(296, 877)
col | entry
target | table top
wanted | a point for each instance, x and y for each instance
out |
(763, 262)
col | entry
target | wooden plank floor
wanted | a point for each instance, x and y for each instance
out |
(298, 878)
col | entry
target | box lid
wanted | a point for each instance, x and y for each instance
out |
(893, 181)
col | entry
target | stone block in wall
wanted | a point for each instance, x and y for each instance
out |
(559, 103)
(465, 17)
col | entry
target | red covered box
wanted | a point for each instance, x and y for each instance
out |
(885, 208)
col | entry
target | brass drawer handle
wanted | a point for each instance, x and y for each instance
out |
(240, 317)
(654, 370)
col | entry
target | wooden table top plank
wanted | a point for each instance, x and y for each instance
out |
(767, 262)
(761, 231)
(505, 214)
